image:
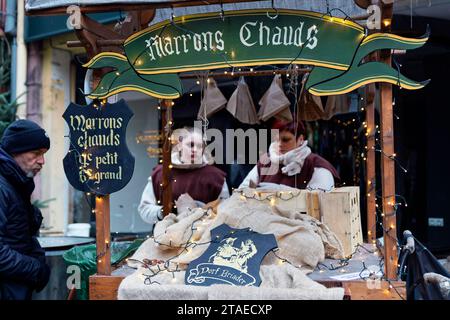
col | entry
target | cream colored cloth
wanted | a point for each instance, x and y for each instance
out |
(241, 105)
(277, 283)
(302, 240)
(274, 102)
(213, 100)
(441, 281)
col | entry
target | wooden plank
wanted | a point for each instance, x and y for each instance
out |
(340, 211)
(362, 290)
(103, 234)
(166, 107)
(237, 74)
(370, 165)
(359, 290)
(387, 164)
(104, 287)
(312, 201)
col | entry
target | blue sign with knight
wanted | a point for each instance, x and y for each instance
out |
(233, 257)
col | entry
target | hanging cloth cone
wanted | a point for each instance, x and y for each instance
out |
(310, 107)
(274, 103)
(241, 104)
(335, 105)
(213, 100)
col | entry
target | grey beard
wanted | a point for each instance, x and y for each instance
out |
(30, 174)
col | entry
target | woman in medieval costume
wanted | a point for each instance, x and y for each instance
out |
(195, 181)
(290, 162)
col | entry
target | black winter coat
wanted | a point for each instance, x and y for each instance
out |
(22, 260)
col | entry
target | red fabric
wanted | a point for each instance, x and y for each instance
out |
(202, 184)
(312, 161)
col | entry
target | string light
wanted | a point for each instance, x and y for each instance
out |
(272, 202)
(297, 66)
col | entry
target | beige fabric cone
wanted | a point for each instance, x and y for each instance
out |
(310, 107)
(213, 100)
(274, 103)
(241, 104)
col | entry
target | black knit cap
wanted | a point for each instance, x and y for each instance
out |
(24, 135)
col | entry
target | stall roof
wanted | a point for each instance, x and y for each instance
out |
(194, 6)
(436, 9)
(40, 26)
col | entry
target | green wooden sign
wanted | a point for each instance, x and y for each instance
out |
(334, 46)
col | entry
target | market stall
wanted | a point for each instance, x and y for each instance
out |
(346, 57)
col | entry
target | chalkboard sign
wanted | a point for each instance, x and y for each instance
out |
(233, 257)
(98, 160)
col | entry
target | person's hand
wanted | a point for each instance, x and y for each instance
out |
(185, 202)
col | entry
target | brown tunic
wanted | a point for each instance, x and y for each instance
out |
(312, 161)
(203, 184)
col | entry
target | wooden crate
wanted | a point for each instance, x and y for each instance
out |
(338, 209)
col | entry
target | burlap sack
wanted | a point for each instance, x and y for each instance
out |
(302, 240)
(278, 282)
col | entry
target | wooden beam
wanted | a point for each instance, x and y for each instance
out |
(94, 35)
(135, 21)
(104, 287)
(103, 234)
(237, 74)
(98, 43)
(107, 287)
(166, 115)
(102, 205)
(370, 165)
(387, 163)
(371, 130)
(359, 290)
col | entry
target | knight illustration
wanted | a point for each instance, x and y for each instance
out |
(229, 255)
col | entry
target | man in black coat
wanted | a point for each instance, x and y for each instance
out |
(22, 260)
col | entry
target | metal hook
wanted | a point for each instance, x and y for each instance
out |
(172, 14)
(222, 13)
(276, 12)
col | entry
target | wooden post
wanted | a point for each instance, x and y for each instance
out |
(387, 163)
(370, 165)
(103, 233)
(166, 115)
